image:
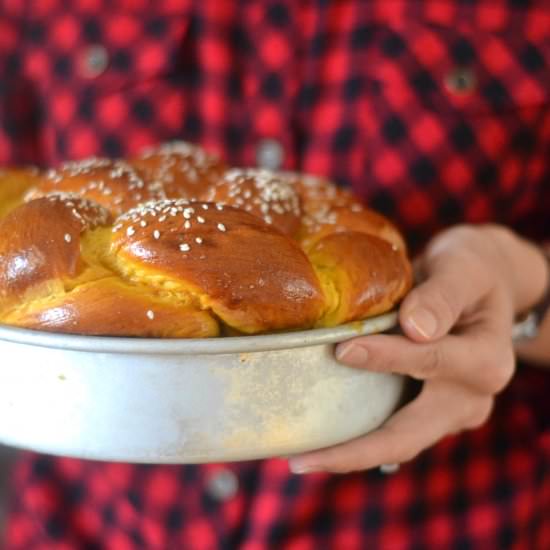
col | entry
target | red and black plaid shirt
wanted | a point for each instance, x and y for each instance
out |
(434, 111)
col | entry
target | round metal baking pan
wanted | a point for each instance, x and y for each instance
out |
(188, 401)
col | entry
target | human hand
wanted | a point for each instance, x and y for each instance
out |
(457, 327)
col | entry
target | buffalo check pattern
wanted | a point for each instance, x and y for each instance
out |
(434, 111)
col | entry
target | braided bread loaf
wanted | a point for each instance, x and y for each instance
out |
(176, 244)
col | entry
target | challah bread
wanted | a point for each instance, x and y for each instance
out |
(269, 196)
(179, 169)
(168, 171)
(221, 259)
(361, 275)
(54, 275)
(41, 242)
(328, 209)
(222, 251)
(114, 184)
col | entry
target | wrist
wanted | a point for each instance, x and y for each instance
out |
(525, 267)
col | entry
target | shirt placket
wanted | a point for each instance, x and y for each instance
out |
(270, 86)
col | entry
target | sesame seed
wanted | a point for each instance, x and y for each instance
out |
(185, 247)
(76, 213)
(205, 207)
(143, 223)
(130, 231)
(200, 219)
(150, 314)
(187, 224)
(198, 240)
(156, 234)
(221, 227)
(68, 238)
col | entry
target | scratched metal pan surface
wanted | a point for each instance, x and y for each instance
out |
(187, 401)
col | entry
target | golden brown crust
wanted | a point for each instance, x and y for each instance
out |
(319, 196)
(248, 273)
(172, 170)
(368, 274)
(114, 184)
(330, 209)
(41, 241)
(270, 196)
(179, 170)
(109, 307)
(340, 219)
(254, 251)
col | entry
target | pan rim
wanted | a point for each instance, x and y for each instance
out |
(192, 346)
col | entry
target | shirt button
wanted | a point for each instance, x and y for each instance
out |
(95, 60)
(222, 485)
(389, 468)
(270, 154)
(461, 81)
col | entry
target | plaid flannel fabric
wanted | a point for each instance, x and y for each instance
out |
(433, 111)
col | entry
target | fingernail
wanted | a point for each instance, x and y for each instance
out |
(424, 322)
(299, 468)
(352, 354)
